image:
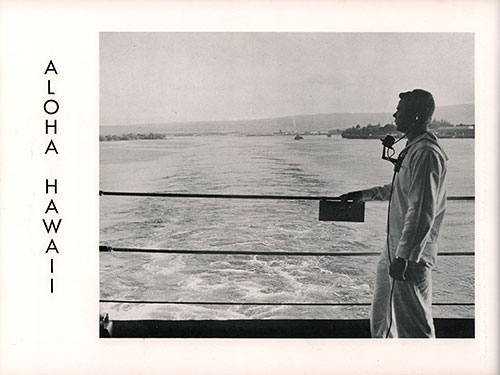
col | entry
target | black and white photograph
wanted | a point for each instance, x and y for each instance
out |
(245, 185)
(249, 187)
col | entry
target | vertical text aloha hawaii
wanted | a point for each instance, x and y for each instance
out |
(51, 220)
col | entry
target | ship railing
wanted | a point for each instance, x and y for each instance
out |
(242, 196)
(255, 253)
(111, 249)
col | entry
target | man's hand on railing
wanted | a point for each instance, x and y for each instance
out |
(354, 196)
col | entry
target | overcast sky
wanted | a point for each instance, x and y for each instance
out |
(178, 77)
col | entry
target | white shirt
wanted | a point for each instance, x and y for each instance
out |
(418, 199)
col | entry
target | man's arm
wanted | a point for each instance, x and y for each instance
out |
(379, 193)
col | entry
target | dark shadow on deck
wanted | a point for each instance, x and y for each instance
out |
(290, 329)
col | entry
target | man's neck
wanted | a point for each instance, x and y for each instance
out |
(415, 133)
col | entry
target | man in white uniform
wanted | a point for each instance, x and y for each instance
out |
(402, 301)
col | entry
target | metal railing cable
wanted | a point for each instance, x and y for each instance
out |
(108, 249)
(240, 196)
(216, 303)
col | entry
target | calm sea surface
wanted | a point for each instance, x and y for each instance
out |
(276, 165)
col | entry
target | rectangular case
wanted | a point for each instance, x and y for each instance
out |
(337, 211)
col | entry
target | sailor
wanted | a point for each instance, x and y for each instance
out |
(402, 301)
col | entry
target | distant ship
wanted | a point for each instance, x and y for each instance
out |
(298, 137)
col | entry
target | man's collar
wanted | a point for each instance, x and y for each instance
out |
(418, 138)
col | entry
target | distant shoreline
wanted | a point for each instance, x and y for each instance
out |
(444, 136)
(442, 129)
(139, 137)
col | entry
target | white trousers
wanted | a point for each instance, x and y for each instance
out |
(408, 314)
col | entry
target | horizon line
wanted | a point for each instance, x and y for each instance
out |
(268, 118)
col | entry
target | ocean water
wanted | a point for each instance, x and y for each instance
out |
(276, 165)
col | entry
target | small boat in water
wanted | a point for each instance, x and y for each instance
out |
(298, 137)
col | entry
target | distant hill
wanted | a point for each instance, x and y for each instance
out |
(456, 114)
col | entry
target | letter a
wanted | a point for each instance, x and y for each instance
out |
(50, 68)
(52, 206)
(51, 147)
(52, 246)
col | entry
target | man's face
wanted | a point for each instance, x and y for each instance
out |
(405, 118)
